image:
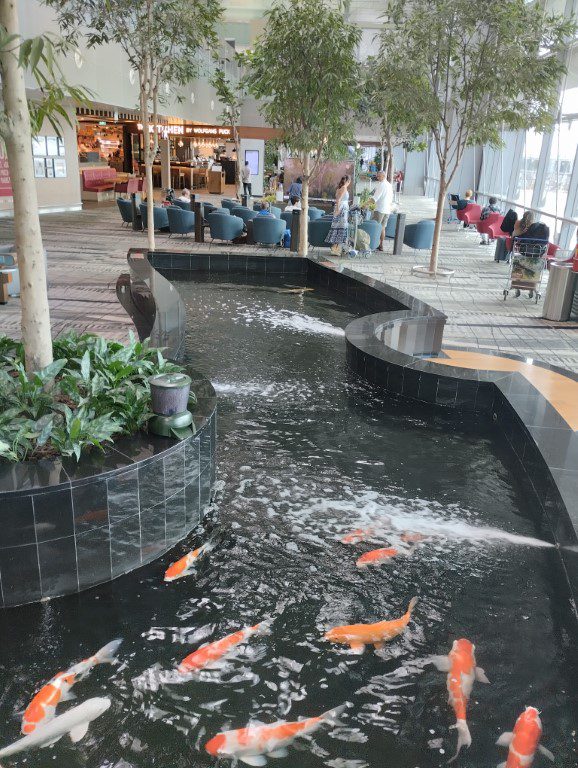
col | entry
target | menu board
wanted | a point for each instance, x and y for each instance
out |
(49, 161)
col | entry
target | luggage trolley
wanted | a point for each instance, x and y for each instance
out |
(527, 265)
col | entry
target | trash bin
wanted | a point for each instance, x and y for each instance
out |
(560, 292)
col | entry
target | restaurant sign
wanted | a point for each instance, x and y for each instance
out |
(193, 131)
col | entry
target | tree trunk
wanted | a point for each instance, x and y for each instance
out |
(389, 161)
(382, 157)
(35, 321)
(238, 188)
(304, 217)
(148, 158)
(433, 263)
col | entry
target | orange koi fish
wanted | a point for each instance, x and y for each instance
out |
(359, 534)
(460, 664)
(253, 744)
(524, 741)
(376, 557)
(357, 636)
(42, 708)
(185, 565)
(212, 652)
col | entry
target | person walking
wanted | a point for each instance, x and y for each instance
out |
(337, 235)
(246, 179)
(383, 199)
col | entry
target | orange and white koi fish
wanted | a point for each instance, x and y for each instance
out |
(42, 708)
(359, 534)
(185, 565)
(357, 636)
(376, 557)
(253, 744)
(213, 652)
(460, 664)
(524, 741)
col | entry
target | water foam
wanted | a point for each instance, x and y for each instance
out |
(290, 320)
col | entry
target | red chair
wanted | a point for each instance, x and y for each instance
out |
(490, 225)
(471, 214)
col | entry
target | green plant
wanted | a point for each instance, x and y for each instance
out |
(366, 200)
(95, 389)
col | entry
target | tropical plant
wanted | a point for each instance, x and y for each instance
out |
(20, 119)
(161, 40)
(303, 67)
(95, 389)
(486, 67)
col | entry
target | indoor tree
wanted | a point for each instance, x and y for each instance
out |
(232, 96)
(385, 107)
(161, 40)
(488, 66)
(20, 119)
(303, 67)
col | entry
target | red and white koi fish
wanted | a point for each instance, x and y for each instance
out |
(376, 557)
(359, 534)
(460, 664)
(524, 741)
(42, 708)
(357, 636)
(253, 744)
(185, 565)
(212, 652)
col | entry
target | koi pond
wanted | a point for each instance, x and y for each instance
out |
(315, 470)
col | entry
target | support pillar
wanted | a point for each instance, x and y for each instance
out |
(199, 223)
(399, 233)
(165, 148)
(295, 224)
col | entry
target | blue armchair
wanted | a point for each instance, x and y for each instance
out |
(315, 213)
(224, 227)
(419, 236)
(317, 230)
(230, 204)
(287, 217)
(275, 211)
(373, 229)
(220, 211)
(181, 222)
(390, 226)
(125, 208)
(161, 219)
(243, 213)
(184, 204)
(268, 231)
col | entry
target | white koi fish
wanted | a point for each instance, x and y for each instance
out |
(253, 744)
(74, 722)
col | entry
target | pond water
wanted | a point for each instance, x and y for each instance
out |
(307, 453)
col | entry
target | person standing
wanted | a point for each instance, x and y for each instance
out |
(246, 179)
(383, 198)
(296, 188)
(398, 178)
(337, 235)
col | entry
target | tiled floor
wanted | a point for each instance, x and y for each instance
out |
(87, 252)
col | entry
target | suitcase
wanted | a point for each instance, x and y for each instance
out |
(501, 253)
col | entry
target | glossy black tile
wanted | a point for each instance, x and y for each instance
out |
(153, 532)
(20, 574)
(17, 522)
(151, 478)
(93, 556)
(90, 505)
(53, 514)
(176, 519)
(174, 464)
(123, 495)
(193, 503)
(205, 490)
(58, 572)
(125, 545)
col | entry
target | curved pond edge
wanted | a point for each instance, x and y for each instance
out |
(392, 347)
(68, 526)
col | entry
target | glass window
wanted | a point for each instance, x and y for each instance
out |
(528, 169)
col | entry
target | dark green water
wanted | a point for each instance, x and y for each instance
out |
(307, 453)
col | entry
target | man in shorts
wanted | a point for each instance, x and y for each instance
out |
(383, 198)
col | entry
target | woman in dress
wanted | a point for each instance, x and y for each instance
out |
(337, 235)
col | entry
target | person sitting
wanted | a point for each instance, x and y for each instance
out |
(294, 204)
(185, 196)
(295, 189)
(264, 210)
(491, 207)
(523, 224)
(464, 201)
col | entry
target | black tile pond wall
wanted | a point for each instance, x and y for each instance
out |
(392, 348)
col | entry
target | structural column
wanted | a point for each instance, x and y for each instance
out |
(165, 148)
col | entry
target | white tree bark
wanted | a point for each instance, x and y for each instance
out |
(304, 217)
(35, 320)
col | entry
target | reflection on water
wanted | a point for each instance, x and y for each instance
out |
(307, 455)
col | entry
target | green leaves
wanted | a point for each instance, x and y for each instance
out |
(92, 391)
